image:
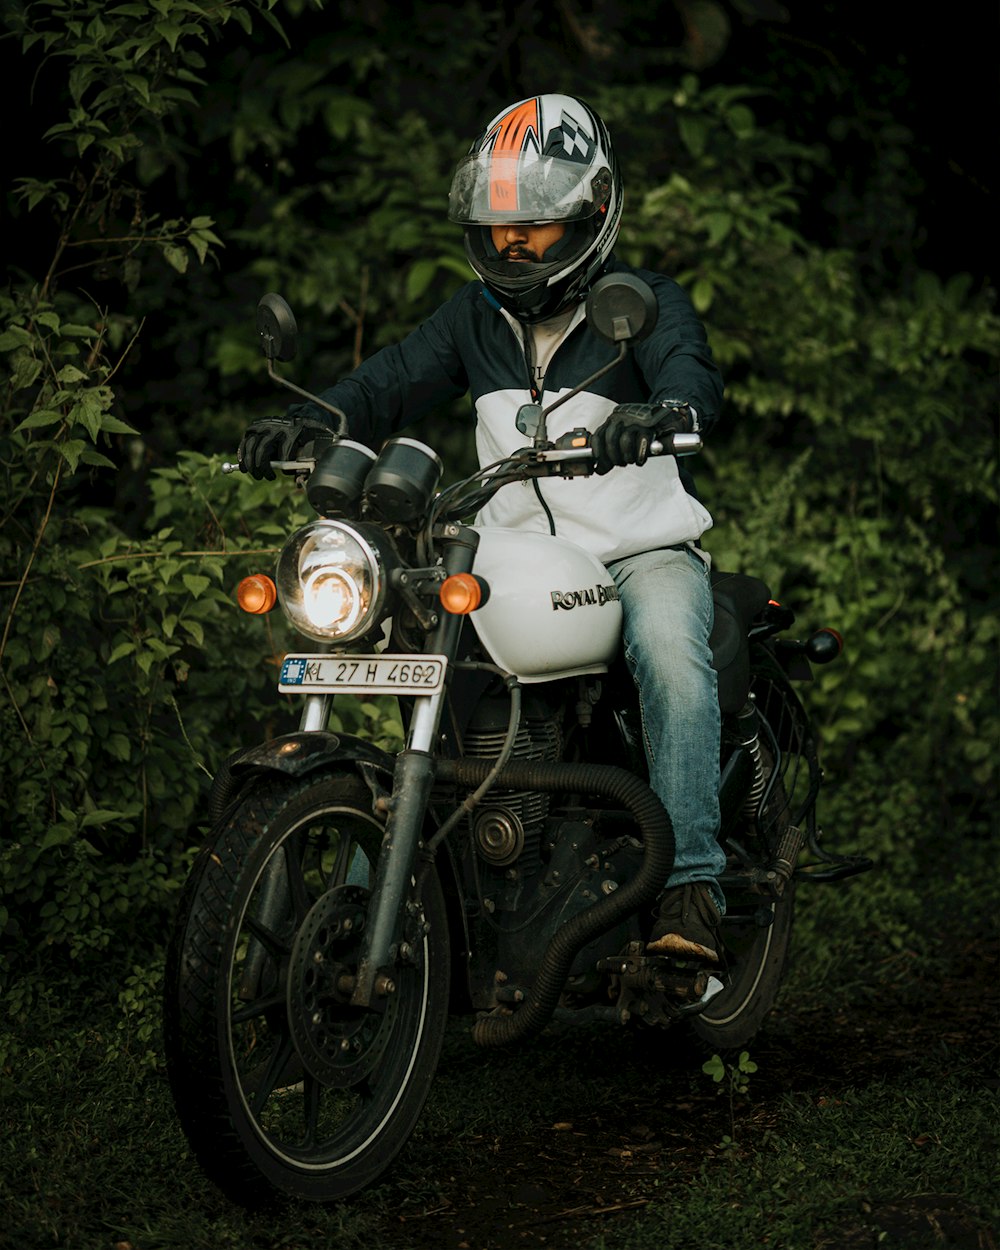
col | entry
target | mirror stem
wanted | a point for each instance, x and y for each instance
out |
(313, 399)
(542, 434)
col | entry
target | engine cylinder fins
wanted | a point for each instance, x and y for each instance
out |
(512, 822)
(539, 740)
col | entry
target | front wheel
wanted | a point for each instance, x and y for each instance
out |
(275, 1075)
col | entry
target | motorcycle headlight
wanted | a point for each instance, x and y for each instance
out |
(331, 582)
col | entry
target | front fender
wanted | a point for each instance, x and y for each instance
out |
(297, 754)
(294, 755)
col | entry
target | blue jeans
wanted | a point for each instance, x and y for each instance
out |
(668, 611)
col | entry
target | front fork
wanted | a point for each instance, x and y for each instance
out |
(412, 780)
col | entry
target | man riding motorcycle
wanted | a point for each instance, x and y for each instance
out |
(540, 198)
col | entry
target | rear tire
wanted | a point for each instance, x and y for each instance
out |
(757, 951)
(757, 930)
(279, 1083)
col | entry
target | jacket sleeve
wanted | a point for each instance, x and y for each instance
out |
(401, 382)
(676, 360)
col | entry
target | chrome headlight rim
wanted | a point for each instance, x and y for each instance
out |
(293, 587)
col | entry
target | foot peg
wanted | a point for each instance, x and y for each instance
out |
(658, 990)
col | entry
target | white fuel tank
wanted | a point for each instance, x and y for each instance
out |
(553, 608)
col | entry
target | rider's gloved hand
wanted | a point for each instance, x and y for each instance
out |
(627, 434)
(280, 438)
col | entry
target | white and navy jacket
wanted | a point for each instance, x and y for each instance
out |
(470, 344)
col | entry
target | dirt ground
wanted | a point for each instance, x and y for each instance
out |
(555, 1189)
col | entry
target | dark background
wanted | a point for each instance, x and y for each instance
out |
(846, 74)
(857, 78)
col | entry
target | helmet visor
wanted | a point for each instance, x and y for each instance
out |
(495, 187)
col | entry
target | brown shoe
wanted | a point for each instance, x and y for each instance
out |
(687, 924)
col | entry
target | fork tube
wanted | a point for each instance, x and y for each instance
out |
(316, 713)
(411, 786)
(424, 722)
(412, 780)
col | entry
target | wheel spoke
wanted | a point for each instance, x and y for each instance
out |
(342, 863)
(258, 1007)
(272, 1073)
(363, 1090)
(269, 938)
(301, 901)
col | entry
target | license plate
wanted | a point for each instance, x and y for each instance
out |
(363, 674)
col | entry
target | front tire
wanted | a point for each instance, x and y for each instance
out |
(275, 1076)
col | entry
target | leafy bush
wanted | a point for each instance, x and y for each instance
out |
(855, 469)
(97, 633)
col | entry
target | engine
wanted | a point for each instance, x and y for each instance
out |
(507, 827)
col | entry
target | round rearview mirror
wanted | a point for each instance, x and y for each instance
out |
(621, 308)
(276, 327)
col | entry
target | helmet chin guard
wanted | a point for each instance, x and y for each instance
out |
(544, 160)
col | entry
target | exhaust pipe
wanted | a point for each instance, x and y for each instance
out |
(573, 935)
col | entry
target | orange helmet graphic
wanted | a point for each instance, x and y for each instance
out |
(544, 159)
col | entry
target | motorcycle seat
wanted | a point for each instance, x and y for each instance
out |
(738, 599)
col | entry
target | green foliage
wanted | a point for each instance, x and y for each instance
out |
(739, 1071)
(141, 1003)
(873, 1167)
(854, 469)
(107, 641)
(735, 1071)
(98, 632)
(856, 466)
(127, 70)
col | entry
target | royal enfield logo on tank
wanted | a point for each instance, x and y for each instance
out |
(596, 596)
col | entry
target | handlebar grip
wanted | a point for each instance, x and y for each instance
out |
(676, 445)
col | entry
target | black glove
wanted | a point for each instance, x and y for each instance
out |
(626, 435)
(280, 438)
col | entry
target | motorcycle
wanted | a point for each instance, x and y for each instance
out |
(506, 862)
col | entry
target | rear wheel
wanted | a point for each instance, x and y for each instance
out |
(757, 930)
(756, 937)
(276, 1077)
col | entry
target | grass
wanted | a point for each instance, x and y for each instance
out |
(839, 1172)
(869, 1122)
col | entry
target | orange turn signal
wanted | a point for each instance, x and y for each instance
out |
(257, 594)
(461, 594)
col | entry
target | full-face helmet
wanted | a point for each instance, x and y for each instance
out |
(545, 159)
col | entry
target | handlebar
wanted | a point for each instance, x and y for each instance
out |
(279, 466)
(673, 445)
